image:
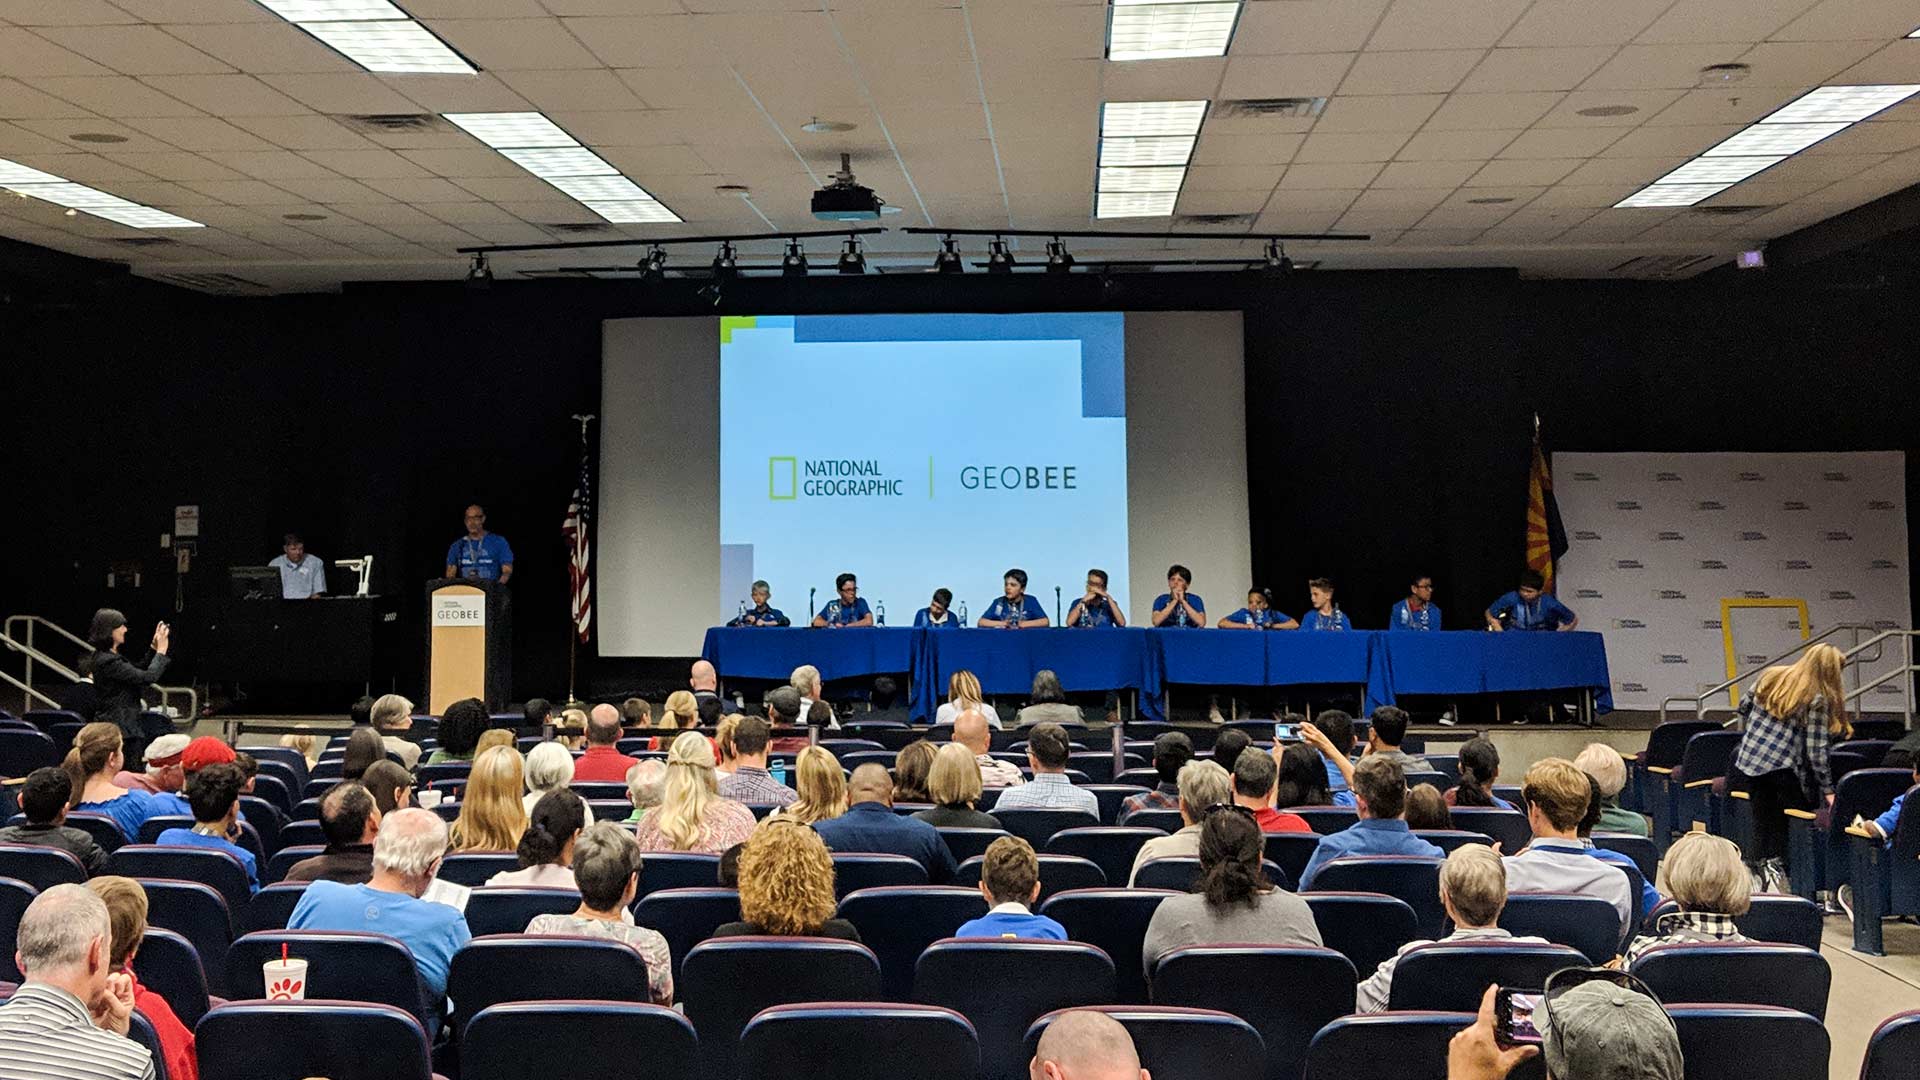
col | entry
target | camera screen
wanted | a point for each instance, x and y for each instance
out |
(1520, 1027)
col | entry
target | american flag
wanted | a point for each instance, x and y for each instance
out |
(574, 529)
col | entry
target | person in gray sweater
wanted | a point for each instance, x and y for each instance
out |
(1236, 903)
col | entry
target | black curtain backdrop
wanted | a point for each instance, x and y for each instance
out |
(1388, 420)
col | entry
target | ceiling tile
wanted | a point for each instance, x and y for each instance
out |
(555, 91)
(62, 13)
(1719, 106)
(1311, 200)
(20, 101)
(514, 44)
(176, 165)
(26, 56)
(1635, 171)
(632, 127)
(1425, 174)
(1314, 75)
(1872, 137)
(302, 132)
(346, 93)
(1164, 80)
(1223, 202)
(271, 164)
(1343, 147)
(1455, 145)
(229, 95)
(474, 161)
(135, 50)
(1722, 20)
(1808, 63)
(1515, 69)
(63, 129)
(1246, 149)
(503, 9)
(1480, 112)
(1546, 142)
(1419, 72)
(1421, 199)
(199, 133)
(1660, 67)
(685, 87)
(1305, 176)
(263, 47)
(640, 41)
(1584, 22)
(1269, 27)
(1386, 113)
(1858, 20)
(361, 164)
(240, 192)
(1683, 141)
(1542, 172)
(1644, 103)
(90, 169)
(422, 190)
(116, 95)
(1445, 24)
(1225, 177)
(1894, 63)
(336, 190)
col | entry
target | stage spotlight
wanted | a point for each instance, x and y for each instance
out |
(725, 265)
(948, 261)
(480, 275)
(852, 261)
(1058, 260)
(654, 266)
(999, 257)
(1275, 262)
(794, 264)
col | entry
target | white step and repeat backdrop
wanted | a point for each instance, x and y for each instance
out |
(1657, 541)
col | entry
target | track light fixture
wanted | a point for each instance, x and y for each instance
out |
(479, 275)
(726, 264)
(1058, 260)
(999, 257)
(1275, 262)
(654, 266)
(794, 263)
(852, 259)
(948, 261)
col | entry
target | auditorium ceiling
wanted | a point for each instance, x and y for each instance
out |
(1455, 133)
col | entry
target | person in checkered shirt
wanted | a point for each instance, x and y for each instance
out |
(1793, 715)
(1171, 750)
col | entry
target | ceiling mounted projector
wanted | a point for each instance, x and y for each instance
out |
(846, 200)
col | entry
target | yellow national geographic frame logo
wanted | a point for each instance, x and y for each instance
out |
(774, 478)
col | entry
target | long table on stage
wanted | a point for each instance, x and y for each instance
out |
(1382, 663)
(325, 639)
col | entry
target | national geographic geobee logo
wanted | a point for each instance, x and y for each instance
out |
(792, 478)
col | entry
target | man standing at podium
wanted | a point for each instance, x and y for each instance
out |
(300, 577)
(480, 554)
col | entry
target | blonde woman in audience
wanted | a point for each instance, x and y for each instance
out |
(723, 743)
(492, 817)
(953, 784)
(1704, 874)
(491, 738)
(306, 742)
(786, 885)
(1609, 769)
(963, 693)
(570, 729)
(549, 768)
(692, 816)
(682, 710)
(822, 785)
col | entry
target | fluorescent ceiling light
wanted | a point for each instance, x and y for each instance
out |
(1144, 150)
(1152, 178)
(1130, 118)
(374, 34)
(1150, 150)
(146, 217)
(1169, 29)
(1718, 170)
(333, 10)
(1671, 195)
(538, 145)
(1135, 204)
(552, 161)
(1846, 104)
(604, 188)
(515, 129)
(1779, 139)
(50, 188)
(12, 173)
(633, 212)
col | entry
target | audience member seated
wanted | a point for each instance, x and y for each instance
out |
(43, 799)
(1557, 796)
(1705, 876)
(728, 873)
(1386, 733)
(1236, 903)
(1086, 1045)
(644, 781)
(783, 707)
(870, 825)
(1600, 1030)
(69, 1019)
(603, 763)
(1227, 746)
(1303, 778)
(1331, 733)
(910, 768)
(492, 815)
(460, 729)
(692, 816)
(1605, 765)
(1473, 889)
(390, 785)
(163, 772)
(682, 710)
(1047, 752)
(214, 793)
(1047, 703)
(350, 818)
(606, 870)
(805, 681)
(364, 747)
(750, 782)
(970, 731)
(963, 695)
(1427, 808)
(90, 766)
(1203, 785)
(406, 855)
(1010, 880)
(955, 788)
(569, 729)
(546, 848)
(495, 737)
(306, 742)
(392, 717)
(786, 885)
(1479, 770)
(822, 787)
(723, 748)
(1649, 896)
(549, 769)
(127, 916)
(1380, 795)
(1171, 752)
(1255, 776)
(635, 713)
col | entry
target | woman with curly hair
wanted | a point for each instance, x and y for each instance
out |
(692, 816)
(822, 785)
(492, 815)
(1236, 902)
(786, 885)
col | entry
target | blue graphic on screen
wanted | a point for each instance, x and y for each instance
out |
(921, 452)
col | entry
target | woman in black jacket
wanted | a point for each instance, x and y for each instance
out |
(118, 682)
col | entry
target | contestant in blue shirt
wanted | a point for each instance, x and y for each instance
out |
(1417, 611)
(302, 576)
(1259, 615)
(480, 555)
(1010, 880)
(1326, 615)
(214, 795)
(846, 610)
(1177, 607)
(761, 613)
(1015, 610)
(938, 615)
(1530, 607)
(1096, 609)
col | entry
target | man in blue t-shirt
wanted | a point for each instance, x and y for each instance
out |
(1326, 615)
(1010, 880)
(1016, 609)
(1177, 607)
(480, 555)
(1417, 611)
(761, 614)
(849, 609)
(1531, 608)
(1096, 609)
(214, 795)
(301, 575)
(938, 615)
(1259, 615)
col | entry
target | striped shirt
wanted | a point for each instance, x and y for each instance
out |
(48, 1034)
(1049, 791)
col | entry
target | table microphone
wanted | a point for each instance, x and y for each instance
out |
(810, 611)
(1056, 605)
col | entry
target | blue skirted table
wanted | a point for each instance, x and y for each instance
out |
(769, 652)
(1273, 658)
(1005, 662)
(1478, 662)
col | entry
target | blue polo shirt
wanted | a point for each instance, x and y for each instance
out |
(923, 620)
(189, 838)
(846, 614)
(1313, 620)
(1003, 608)
(480, 558)
(1888, 821)
(1337, 785)
(1545, 613)
(768, 616)
(298, 582)
(1014, 922)
(1265, 619)
(1095, 615)
(1405, 618)
(1368, 836)
(1179, 617)
(432, 932)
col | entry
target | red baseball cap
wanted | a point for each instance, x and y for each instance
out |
(204, 751)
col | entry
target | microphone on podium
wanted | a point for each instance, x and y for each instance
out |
(1056, 605)
(810, 611)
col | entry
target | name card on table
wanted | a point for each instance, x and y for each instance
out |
(459, 609)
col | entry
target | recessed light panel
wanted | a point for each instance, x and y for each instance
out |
(551, 161)
(1134, 118)
(1144, 150)
(1671, 195)
(540, 146)
(1135, 204)
(1845, 104)
(375, 34)
(1718, 170)
(1170, 29)
(1778, 139)
(50, 188)
(1150, 150)
(515, 129)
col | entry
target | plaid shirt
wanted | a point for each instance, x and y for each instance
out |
(1163, 797)
(1048, 791)
(1773, 743)
(1684, 927)
(756, 786)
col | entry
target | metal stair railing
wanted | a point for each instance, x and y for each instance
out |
(22, 641)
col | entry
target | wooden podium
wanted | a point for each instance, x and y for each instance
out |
(469, 643)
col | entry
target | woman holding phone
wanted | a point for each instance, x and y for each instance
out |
(118, 682)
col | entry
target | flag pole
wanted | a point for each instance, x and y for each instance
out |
(573, 626)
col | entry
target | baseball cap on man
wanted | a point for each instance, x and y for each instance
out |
(165, 751)
(1601, 1030)
(204, 751)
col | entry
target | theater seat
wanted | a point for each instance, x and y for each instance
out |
(1508, 828)
(1752, 1042)
(1114, 920)
(1779, 917)
(1640, 849)
(859, 1041)
(168, 965)
(220, 869)
(24, 749)
(1181, 1044)
(526, 967)
(344, 966)
(41, 867)
(199, 914)
(1893, 1048)
(1414, 880)
(1161, 818)
(15, 895)
(507, 909)
(140, 1030)
(1586, 923)
(1364, 927)
(1452, 976)
(1111, 848)
(725, 981)
(272, 907)
(578, 1040)
(1291, 852)
(1415, 1042)
(899, 922)
(302, 834)
(340, 1040)
(1246, 980)
(1738, 972)
(677, 870)
(867, 870)
(1003, 986)
(1112, 796)
(686, 917)
(473, 868)
(1036, 827)
(966, 843)
(104, 830)
(1327, 819)
(1058, 873)
(1179, 872)
(1449, 839)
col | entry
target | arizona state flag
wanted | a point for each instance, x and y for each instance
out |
(1546, 537)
